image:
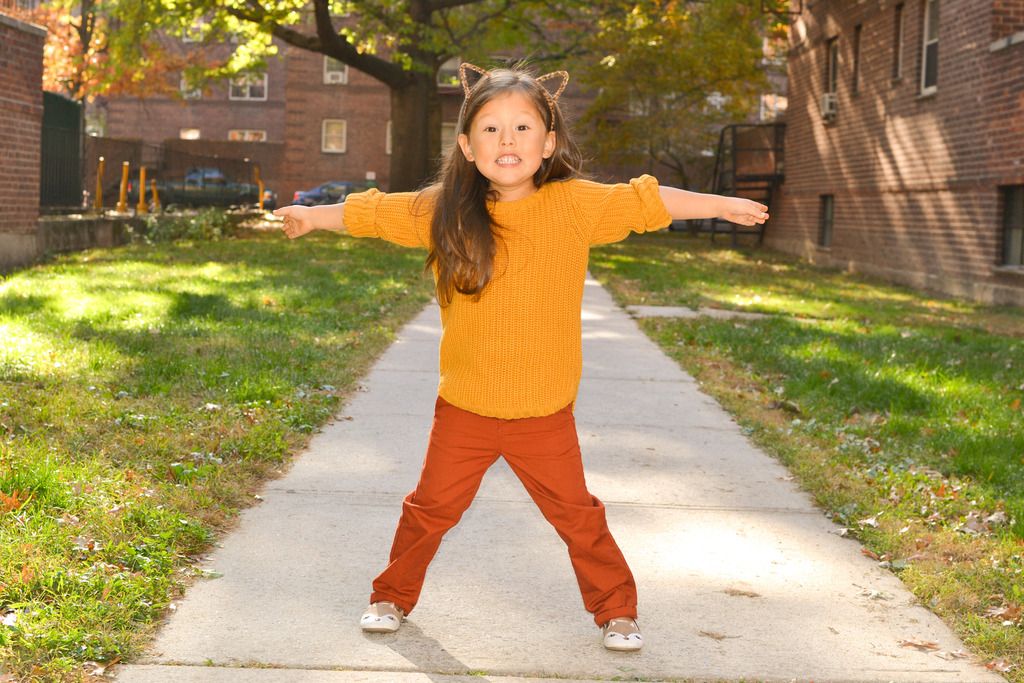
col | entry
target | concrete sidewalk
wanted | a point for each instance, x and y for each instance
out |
(740, 576)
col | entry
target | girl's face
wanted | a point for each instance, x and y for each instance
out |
(507, 141)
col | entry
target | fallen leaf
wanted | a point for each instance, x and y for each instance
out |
(923, 645)
(1009, 612)
(712, 634)
(1000, 665)
(13, 501)
(870, 553)
(1015, 404)
(736, 592)
(955, 654)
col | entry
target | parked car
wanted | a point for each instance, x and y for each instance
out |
(204, 186)
(209, 187)
(331, 192)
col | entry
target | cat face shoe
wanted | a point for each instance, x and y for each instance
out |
(381, 617)
(622, 635)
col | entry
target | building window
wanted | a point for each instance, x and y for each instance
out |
(825, 220)
(855, 85)
(1013, 225)
(930, 48)
(247, 135)
(335, 71)
(831, 64)
(772, 106)
(333, 134)
(187, 91)
(188, 133)
(448, 74)
(897, 42)
(249, 87)
(448, 137)
(193, 33)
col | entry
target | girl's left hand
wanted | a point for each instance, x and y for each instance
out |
(744, 211)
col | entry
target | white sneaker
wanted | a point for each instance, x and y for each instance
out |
(381, 617)
(622, 635)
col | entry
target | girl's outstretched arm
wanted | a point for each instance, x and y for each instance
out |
(299, 220)
(683, 204)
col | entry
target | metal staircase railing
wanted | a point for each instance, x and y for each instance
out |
(749, 163)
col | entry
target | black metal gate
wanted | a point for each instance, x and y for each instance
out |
(61, 172)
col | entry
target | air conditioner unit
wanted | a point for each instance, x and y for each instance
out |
(334, 77)
(829, 106)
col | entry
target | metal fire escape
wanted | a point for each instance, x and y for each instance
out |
(749, 164)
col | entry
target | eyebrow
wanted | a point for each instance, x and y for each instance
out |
(527, 112)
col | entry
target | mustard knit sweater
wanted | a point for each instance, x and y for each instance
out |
(516, 352)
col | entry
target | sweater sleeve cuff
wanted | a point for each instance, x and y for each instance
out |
(361, 213)
(653, 211)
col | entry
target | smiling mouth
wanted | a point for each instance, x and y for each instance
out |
(508, 160)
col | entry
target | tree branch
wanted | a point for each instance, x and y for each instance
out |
(390, 74)
(432, 6)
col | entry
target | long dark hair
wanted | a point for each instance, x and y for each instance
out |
(462, 231)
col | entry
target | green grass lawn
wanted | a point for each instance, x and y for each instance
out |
(899, 411)
(145, 392)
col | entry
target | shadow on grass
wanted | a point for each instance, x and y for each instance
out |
(945, 398)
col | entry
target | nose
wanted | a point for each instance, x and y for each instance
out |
(507, 139)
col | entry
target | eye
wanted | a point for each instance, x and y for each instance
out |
(489, 129)
(522, 126)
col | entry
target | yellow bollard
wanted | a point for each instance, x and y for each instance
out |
(98, 201)
(141, 208)
(259, 185)
(156, 196)
(122, 202)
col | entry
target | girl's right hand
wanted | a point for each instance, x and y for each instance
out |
(297, 221)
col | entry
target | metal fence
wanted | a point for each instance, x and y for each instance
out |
(61, 153)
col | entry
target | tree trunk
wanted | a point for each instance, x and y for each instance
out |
(415, 132)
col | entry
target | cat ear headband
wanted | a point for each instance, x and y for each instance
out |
(552, 98)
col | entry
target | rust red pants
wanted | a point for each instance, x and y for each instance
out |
(544, 453)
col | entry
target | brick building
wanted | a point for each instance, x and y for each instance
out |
(905, 143)
(323, 120)
(21, 110)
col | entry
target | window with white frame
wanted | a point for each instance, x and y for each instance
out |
(333, 136)
(772, 107)
(193, 33)
(448, 74)
(187, 91)
(1013, 225)
(335, 71)
(448, 137)
(188, 133)
(897, 42)
(930, 48)
(249, 87)
(247, 135)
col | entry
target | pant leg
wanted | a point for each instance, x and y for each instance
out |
(462, 446)
(545, 455)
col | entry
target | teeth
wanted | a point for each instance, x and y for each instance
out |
(508, 161)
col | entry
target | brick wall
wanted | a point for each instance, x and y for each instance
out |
(915, 178)
(21, 110)
(1007, 17)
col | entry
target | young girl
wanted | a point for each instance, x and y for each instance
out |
(508, 230)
